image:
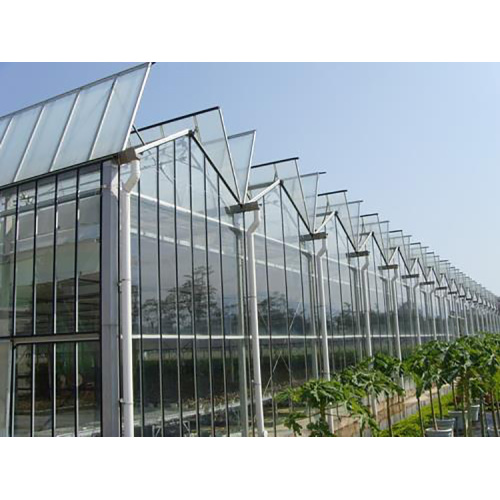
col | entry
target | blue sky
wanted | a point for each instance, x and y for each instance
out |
(419, 143)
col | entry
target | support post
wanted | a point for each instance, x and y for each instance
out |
(446, 317)
(312, 294)
(417, 314)
(366, 307)
(323, 320)
(242, 357)
(466, 319)
(457, 321)
(396, 316)
(254, 323)
(368, 328)
(433, 315)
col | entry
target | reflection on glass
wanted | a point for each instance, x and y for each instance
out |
(24, 261)
(65, 397)
(65, 254)
(88, 264)
(89, 389)
(23, 387)
(44, 266)
(5, 370)
(44, 387)
(7, 244)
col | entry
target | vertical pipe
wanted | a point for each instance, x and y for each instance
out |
(254, 324)
(126, 317)
(126, 301)
(323, 321)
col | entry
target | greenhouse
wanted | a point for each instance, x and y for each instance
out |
(156, 282)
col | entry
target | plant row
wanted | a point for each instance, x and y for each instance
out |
(469, 365)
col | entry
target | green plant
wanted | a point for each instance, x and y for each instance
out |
(390, 367)
(415, 367)
(471, 365)
(320, 397)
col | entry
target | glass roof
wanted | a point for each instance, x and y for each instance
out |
(310, 188)
(287, 171)
(380, 229)
(434, 264)
(81, 125)
(347, 213)
(327, 204)
(416, 252)
(398, 239)
(241, 147)
(208, 126)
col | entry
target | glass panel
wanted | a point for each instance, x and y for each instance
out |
(310, 186)
(288, 172)
(235, 345)
(149, 316)
(24, 261)
(89, 389)
(65, 389)
(241, 147)
(209, 128)
(4, 123)
(168, 292)
(120, 113)
(15, 142)
(23, 384)
(88, 258)
(65, 253)
(44, 266)
(65, 134)
(185, 297)
(84, 123)
(47, 137)
(5, 367)
(347, 213)
(44, 388)
(7, 245)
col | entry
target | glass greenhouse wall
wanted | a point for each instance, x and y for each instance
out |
(333, 286)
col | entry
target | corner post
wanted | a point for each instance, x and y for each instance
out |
(109, 302)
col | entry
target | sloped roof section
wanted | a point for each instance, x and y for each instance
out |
(347, 213)
(327, 204)
(397, 239)
(310, 187)
(84, 124)
(287, 171)
(209, 130)
(241, 147)
(370, 223)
